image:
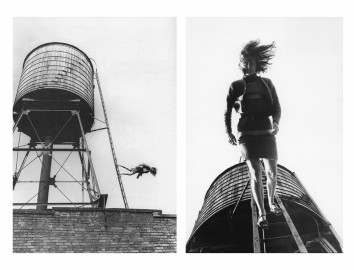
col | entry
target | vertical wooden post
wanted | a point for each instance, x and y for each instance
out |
(291, 225)
(256, 242)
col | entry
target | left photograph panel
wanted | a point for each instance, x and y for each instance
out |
(94, 135)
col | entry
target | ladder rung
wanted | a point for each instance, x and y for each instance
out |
(278, 237)
(111, 143)
(278, 223)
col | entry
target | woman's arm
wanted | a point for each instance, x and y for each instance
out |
(276, 109)
(230, 101)
(276, 115)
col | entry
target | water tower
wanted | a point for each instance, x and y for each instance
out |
(227, 221)
(54, 107)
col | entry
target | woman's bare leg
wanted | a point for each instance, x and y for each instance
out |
(255, 167)
(271, 172)
(126, 173)
(125, 168)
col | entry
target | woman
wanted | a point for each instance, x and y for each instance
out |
(140, 170)
(256, 100)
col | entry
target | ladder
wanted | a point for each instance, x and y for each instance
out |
(280, 228)
(111, 143)
(277, 224)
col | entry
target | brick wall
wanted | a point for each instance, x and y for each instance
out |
(93, 230)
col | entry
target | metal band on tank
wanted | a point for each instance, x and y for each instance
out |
(79, 81)
(222, 193)
(57, 43)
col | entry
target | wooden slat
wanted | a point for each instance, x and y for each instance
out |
(327, 245)
(291, 225)
(256, 242)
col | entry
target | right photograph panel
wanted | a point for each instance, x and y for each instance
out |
(264, 135)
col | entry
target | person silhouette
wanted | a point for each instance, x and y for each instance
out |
(256, 100)
(140, 170)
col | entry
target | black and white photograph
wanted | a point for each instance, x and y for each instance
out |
(264, 163)
(145, 132)
(94, 135)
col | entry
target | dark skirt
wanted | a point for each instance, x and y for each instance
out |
(260, 146)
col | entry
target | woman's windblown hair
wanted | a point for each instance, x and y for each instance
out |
(262, 54)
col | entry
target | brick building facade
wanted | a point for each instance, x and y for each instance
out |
(93, 230)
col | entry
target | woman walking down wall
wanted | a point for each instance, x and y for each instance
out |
(256, 99)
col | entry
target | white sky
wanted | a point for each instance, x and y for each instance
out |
(136, 61)
(307, 73)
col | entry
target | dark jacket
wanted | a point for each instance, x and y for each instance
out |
(238, 88)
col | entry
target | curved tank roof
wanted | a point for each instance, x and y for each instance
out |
(57, 43)
(55, 76)
(227, 188)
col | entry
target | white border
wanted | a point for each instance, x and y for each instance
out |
(181, 10)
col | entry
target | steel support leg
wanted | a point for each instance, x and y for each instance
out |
(94, 180)
(43, 189)
(18, 121)
(85, 178)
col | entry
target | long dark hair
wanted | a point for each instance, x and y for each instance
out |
(262, 54)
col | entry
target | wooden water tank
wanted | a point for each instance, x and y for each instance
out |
(215, 230)
(56, 78)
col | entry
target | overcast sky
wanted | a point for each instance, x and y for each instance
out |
(307, 74)
(136, 61)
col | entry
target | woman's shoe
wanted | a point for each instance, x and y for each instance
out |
(276, 210)
(262, 222)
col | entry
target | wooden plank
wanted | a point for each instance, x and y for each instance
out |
(291, 225)
(327, 245)
(319, 210)
(256, 242)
